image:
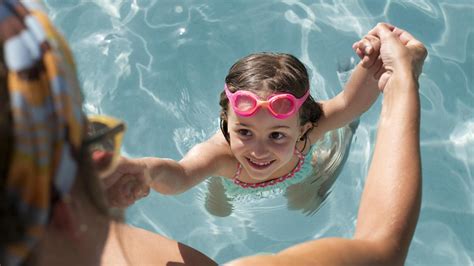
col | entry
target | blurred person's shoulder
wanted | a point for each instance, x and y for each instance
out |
(136, 246)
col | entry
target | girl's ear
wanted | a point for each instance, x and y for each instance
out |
(304, 129)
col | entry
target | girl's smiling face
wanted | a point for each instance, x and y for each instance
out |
(263, 144)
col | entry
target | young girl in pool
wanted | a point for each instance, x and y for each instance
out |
(269, 122)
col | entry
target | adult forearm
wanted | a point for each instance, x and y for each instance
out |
(391, 199)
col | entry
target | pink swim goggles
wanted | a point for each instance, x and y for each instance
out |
(281, 106)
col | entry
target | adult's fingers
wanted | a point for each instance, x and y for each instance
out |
(411, 42)
(110, 180)
(417, 49)
(124, 166)
(140, 191)
(404, 36)
(120, 194)
(383, 31)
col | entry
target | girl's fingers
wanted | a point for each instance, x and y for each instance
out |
(366, 61)
(357, 50)
(126, 184)
(140, 192)
(354, 46)
(359, 53)
(367, 49)
(364, 46)
(373, 42)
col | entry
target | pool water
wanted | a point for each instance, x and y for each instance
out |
(160, 66)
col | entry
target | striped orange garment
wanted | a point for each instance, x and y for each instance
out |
(48, 122)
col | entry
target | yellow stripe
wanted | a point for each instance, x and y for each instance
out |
(19, 250)
(52, 65)
(75, 130)
(43, 127)
(36, 231)
(34, 91)
(32, 181)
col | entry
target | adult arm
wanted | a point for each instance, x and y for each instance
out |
(390, 202)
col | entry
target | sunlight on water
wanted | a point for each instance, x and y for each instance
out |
(160, 66)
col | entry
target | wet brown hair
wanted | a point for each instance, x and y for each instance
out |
(268, 73)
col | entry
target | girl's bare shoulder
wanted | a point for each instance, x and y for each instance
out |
(214, 154)
(225, 161)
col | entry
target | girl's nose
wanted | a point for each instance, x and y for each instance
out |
(260, 150)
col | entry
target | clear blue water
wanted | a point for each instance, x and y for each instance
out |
(160, 66)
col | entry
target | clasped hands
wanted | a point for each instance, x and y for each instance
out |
(128, 183)
(388, 50)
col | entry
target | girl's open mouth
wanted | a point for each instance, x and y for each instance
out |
(259, 165)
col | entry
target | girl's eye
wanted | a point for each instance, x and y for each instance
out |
(277, 135)
(244, 132)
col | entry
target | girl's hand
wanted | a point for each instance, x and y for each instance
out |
(128, 183)
(368, 50)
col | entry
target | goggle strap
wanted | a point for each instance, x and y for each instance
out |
(105, 133)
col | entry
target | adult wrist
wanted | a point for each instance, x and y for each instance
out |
(404, 79)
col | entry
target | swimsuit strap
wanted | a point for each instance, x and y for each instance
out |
(237, 173)
(272, 182)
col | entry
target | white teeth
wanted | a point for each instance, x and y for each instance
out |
(260, 163)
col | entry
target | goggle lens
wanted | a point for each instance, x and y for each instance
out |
(282, 106)
(245, 103)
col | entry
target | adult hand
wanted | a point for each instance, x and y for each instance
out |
(400, 53)
(128, 183)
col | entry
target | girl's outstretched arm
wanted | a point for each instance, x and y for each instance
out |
(203, 160)
(133, 178)
(360, 91)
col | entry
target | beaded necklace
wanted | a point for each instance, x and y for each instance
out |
(272, 182)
